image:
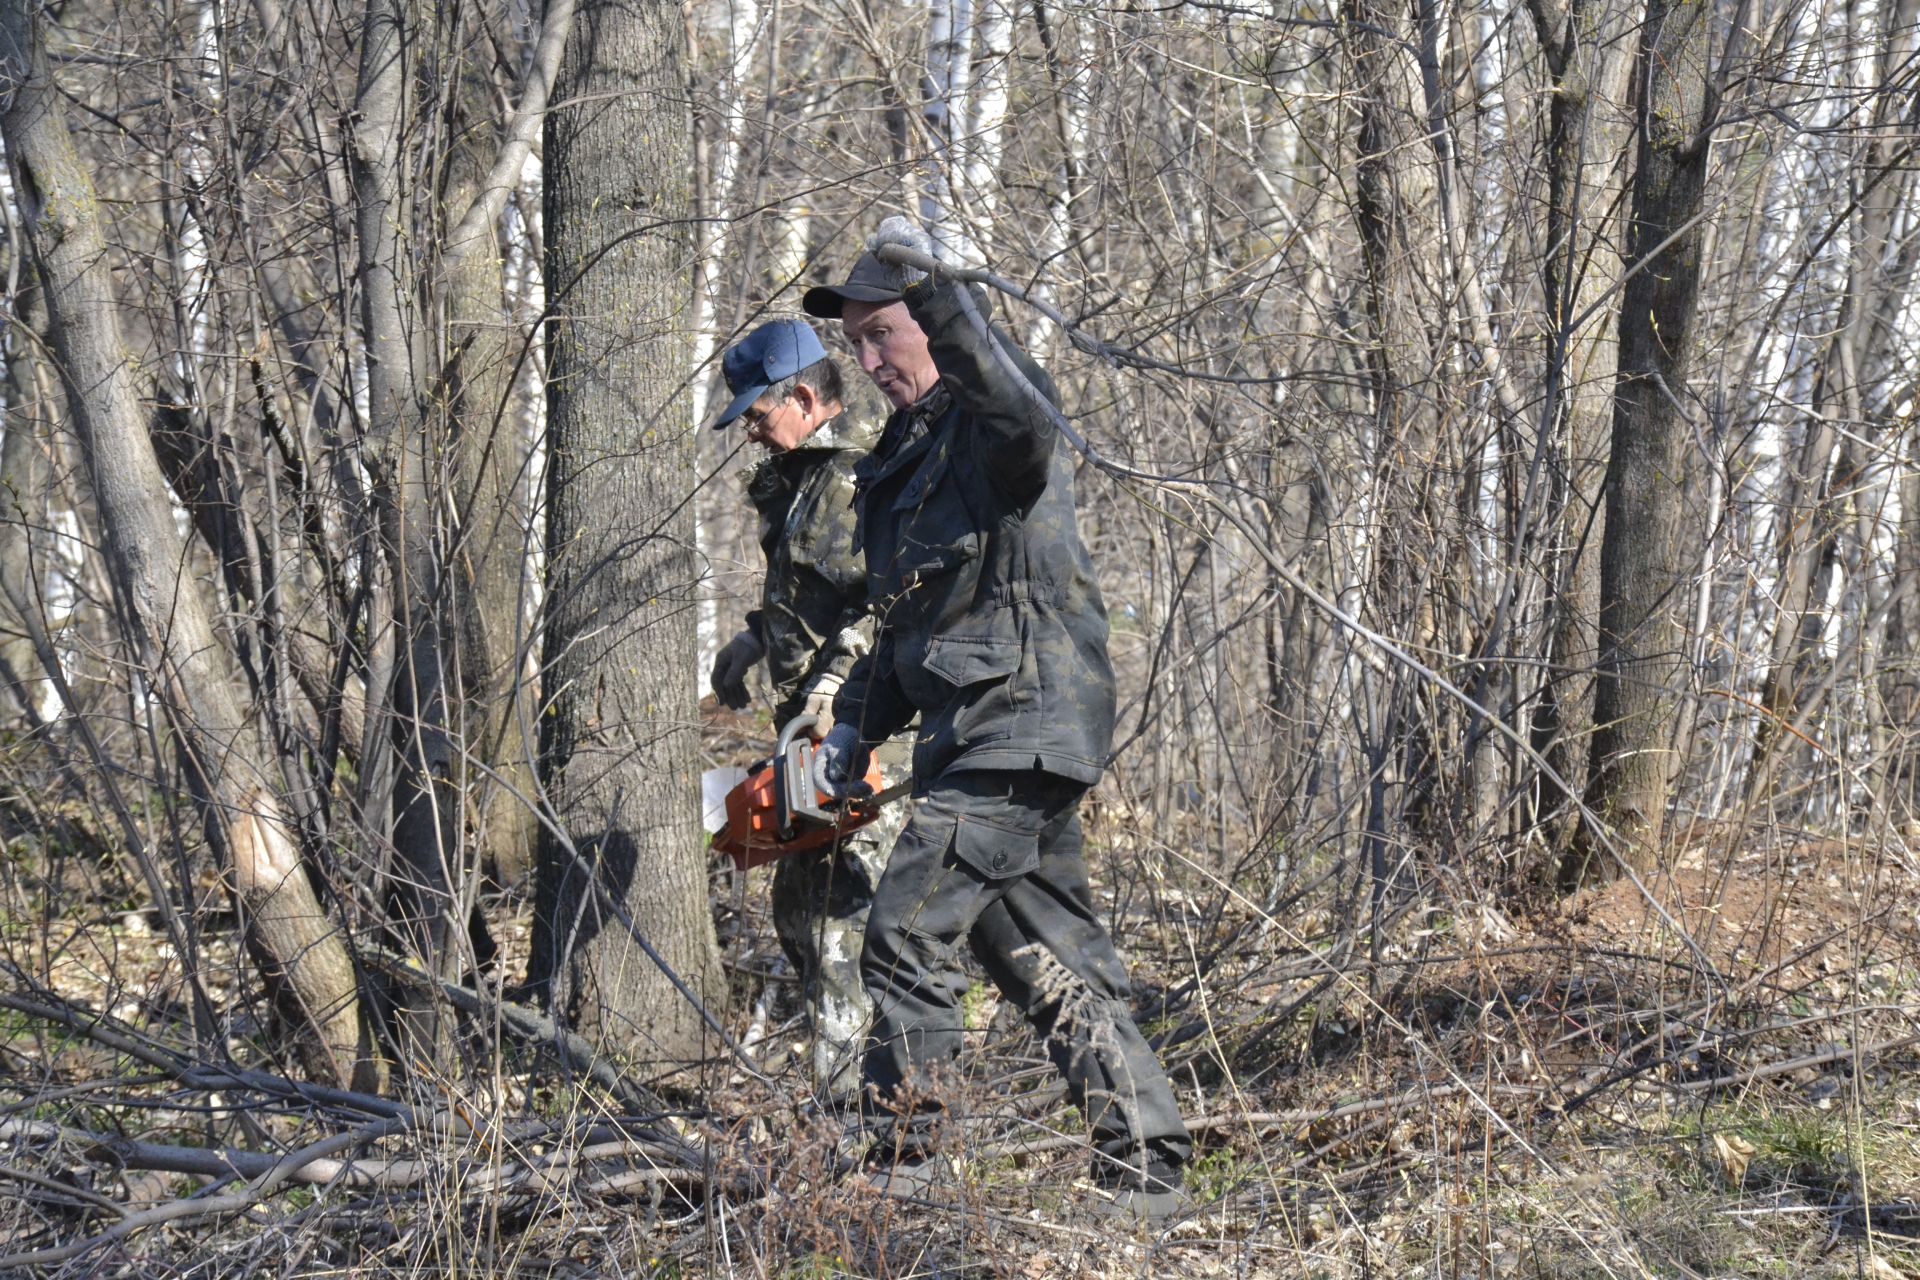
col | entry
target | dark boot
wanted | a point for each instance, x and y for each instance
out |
(1152, 1195)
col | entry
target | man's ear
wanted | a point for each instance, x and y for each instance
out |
(805, 399)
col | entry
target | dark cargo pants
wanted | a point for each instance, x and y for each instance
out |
(995, 858)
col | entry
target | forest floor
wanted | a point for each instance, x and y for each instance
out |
(1714, 1073)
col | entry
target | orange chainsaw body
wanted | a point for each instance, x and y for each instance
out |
(767, 820)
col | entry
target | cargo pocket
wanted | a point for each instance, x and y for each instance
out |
(994, 851)
(961, 660)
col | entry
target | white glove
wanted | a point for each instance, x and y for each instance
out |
(820, 701)
(840, 764)
(905, 233)
(730, 670)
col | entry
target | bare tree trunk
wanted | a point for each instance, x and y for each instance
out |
(490, 559)
(1072, 89)
(26, 479)
(718, 151)
(1642, 662)
(980, 150)
(1830, 463)
(227, 765)
(1880, 373)
(492, 508)
(1484, 779)
(945, 114)
(1394, 189)
(410, 489)
(746, 27)
(1899, 676)
(1586, 53)
(617, 745)
(1807, 529)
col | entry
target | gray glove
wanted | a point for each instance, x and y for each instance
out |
(840, 764)
(730, 670)
(819, 703)
(905, 233)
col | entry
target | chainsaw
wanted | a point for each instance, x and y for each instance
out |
(775, 810)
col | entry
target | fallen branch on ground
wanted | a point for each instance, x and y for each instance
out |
(1275, 1119)
(529, 1025)
(579, 1162)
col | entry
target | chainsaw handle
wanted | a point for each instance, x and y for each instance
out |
(793, 764)
(791, 730)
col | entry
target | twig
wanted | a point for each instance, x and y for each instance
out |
(900, 254)
(94, 1028)
(79, 1194)
(106, 1031)
(1796, 1064)
(598, 1142)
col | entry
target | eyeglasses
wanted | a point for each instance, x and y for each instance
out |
(753, 416)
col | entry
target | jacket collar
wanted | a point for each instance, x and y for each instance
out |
(841, 431)
(838, 434)
(909, 433)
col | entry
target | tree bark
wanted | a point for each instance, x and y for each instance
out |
(945, 114)
(490, 498)
(1584, 42)
(1642, 665)
(26, 478)
(978, 155)
(1898, 680)
(1071, 88)
(410, 487)
(1406, 309)
(617, 742)
(300, 950)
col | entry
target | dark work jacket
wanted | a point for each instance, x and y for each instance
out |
(812, 617)
(989, 623)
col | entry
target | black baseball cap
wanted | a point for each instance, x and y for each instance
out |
(871, 280)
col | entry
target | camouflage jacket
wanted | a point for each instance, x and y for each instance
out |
(812, 616)
(990, 622)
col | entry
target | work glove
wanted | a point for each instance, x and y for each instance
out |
(820, 701)
(731, 668)
(840, 764)
(903, 232)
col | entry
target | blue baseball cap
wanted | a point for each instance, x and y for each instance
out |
(777, 349)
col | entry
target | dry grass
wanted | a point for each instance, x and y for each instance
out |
(1597, 1088)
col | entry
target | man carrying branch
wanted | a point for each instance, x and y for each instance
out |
(989, 627)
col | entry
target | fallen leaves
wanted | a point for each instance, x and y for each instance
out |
(1733, 1153)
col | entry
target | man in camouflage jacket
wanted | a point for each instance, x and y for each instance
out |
(991, 628)
(811, 624)
(812, 621)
